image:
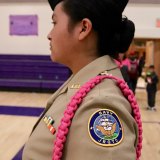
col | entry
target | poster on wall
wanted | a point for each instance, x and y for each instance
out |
(145, 1)
(23, 25)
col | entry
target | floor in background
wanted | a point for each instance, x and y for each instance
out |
(141, 83)
(15, 129)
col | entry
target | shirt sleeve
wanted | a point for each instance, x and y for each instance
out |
(110, 106)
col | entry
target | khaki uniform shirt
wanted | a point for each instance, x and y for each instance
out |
(79, 144)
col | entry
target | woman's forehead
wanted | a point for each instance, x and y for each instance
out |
(57, 10)
(53, 3)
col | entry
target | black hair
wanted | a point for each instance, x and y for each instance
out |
(115, 32)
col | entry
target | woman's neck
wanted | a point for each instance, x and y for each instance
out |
(80, 63)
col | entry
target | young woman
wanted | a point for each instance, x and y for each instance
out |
(93, 120)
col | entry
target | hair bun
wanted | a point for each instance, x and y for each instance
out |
(121, 4)
(126, 34)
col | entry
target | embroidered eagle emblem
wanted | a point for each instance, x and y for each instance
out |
(106, 127)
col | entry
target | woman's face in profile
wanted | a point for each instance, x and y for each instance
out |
(61, 40)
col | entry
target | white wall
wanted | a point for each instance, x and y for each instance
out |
(144, 17)
(25, 44)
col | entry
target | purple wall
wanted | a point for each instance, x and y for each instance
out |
(31, 71)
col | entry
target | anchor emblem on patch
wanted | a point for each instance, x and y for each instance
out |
(105, 128)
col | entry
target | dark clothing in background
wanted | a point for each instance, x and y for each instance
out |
(133, 84)
(133, 72)
(141, 65)
(152, 80)
(151, 95)
(124, 71)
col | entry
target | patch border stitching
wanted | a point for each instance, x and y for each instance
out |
(105, 145)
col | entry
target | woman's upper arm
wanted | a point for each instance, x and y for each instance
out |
(102, 127)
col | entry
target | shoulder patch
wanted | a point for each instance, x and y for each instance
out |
(105, 128)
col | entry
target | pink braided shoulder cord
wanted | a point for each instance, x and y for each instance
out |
(77, 100)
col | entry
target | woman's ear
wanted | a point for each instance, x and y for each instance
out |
(84, 28)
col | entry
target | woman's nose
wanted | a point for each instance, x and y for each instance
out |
(49, 36)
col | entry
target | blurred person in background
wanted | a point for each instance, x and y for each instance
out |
(132, 63)
(151, 88)
(121, 62)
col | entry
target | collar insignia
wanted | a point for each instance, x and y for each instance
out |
(49, 123)
(105, 73)
(75, 86)
(105, 128)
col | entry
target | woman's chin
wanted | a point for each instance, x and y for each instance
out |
(52, 58)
